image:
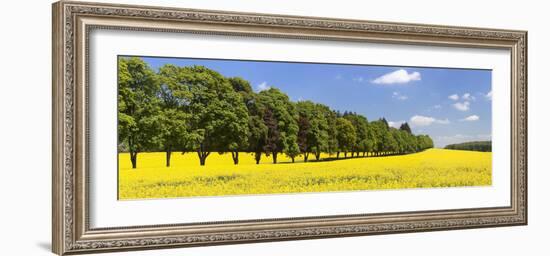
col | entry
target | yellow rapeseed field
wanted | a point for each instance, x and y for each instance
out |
(428, 169)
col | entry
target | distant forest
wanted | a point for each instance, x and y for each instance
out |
(483, 146)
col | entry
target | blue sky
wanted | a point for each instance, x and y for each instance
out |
(450, 105)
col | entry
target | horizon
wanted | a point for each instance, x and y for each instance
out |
(450, 105)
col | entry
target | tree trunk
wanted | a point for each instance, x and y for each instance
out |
(274, 157)
(133, 158)
(337, 154)
(318, 156)
(202, 157)
(235, 156)
(345, 154)
(168, 155)
(258, 156)
(306, 154)
(292, 157)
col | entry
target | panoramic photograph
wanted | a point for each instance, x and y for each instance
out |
(192, 127)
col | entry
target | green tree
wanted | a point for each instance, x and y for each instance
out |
(346, 136)
(313, 136)
(174, 96)
(399, 137)
(303, 132)
(424, 142)
(361, 127)
(280, 117)
(331, 120)
(293, 151)
(257, 130)
(273, 137)
(405, 127)
(380, 130)
(372, 139)
(389, 142)
(138, 107)
(410, 143)
(218, 116)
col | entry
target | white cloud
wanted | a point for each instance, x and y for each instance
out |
(446, 121)
(489, 95)
(395, 124)
(359, 79)
(462, 106)
(468, 96)
(399, 96)
(471, 118)
(400, 76)
(454, 97)
(418, 120)
(262, 87)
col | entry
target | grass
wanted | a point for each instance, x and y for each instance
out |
(428, 169)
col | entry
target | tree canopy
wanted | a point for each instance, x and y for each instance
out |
(138, 107)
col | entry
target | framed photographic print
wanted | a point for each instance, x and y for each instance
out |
(179, 127)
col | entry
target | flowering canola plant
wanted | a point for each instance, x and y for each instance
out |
(433, 168)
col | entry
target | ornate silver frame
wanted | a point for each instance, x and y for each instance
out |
(72, 21)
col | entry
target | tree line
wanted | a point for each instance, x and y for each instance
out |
(196, 109)
(483, 146)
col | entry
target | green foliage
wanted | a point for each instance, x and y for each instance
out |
(483, 146)
(313, 136)
(360, 123)
(424, 142)
(330, 116)
(138, 107)
(257, 128)
(174, 98)
(346, 134)
(405, 127)
(218, 115)
(281, 122)
(379, 131)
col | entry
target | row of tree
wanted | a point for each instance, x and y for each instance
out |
(196, 109)
(483, 146)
